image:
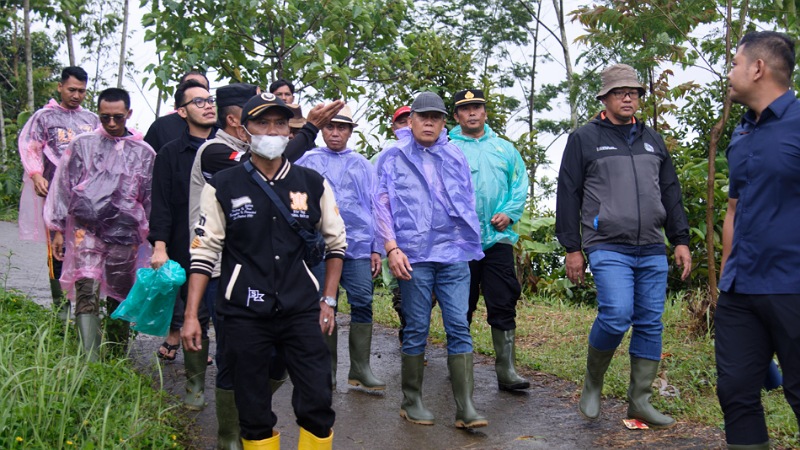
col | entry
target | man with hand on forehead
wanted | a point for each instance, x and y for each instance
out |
(268, 296)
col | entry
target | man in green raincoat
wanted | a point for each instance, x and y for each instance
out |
(501, 189)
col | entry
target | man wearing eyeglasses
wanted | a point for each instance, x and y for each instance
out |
(169, 219)
(617, 189)
(97, 209)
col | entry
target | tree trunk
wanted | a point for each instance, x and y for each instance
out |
(3, 146)
(122, 43)
(26, 7)
(716, 133)
(68, 31)
(573, 107)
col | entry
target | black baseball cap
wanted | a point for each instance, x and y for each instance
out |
(260, 103)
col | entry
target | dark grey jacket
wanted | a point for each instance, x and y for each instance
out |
(617, 189)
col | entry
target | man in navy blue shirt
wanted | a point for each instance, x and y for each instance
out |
(758, 312)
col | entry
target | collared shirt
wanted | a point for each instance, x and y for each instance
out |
(425, 201)
(353, 180)
(500, 179)
(764, 162)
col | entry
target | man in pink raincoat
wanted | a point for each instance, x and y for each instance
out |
(41, 143)
(97, 209)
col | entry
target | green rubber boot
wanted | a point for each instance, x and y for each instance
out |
(117, 331)
(461, 377)
(761, 446)
(332, 342)
(60, 302)
(276, 384)
(412, 409)
(596, 366)
(227, 421)
(360, 371)
(195, 364)
(89, 334)
(643, 372)
(505, 355)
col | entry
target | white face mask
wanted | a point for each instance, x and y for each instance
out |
(270, 147)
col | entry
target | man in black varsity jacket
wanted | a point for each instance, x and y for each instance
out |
(267, 294)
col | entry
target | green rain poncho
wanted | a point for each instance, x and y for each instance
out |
(500, 181)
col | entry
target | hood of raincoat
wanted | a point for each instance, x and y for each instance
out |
(425, 201)
(353, 180)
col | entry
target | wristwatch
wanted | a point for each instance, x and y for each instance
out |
(330, 301)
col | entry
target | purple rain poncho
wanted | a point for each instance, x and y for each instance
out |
(353, 180)
(42, 141)
(100, 200)
(425, 201)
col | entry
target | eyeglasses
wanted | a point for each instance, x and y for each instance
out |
(619, 95)
(201, 102)
(107, 118)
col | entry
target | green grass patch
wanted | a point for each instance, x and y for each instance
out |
(552, 337)
(50, 397)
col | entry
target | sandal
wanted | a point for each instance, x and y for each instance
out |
(170, 349)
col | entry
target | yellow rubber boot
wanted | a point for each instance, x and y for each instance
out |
(308, 441)
(273, 443)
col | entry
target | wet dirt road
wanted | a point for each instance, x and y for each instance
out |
(544, 417)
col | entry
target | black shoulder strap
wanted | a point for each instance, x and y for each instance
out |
(273, 196)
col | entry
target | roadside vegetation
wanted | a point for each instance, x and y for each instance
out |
(552, 337)
(50, 397)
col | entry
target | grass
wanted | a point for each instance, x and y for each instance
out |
(50, 397)
(552, 338)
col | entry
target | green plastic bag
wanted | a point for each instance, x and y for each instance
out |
(148, 306)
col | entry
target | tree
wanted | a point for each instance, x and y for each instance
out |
(329, 49)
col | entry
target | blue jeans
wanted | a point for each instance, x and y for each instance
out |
(450, 283)
(357, 282)
(630, 291)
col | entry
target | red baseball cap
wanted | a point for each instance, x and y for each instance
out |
(400, 111)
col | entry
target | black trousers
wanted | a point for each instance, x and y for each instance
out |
(249, 348)
(495, 276)
(749, 330)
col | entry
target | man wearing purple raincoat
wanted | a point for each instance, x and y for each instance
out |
(353, 180)
(98, 207)
(425, 213)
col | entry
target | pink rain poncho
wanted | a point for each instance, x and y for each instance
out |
(100, 200)
(42, 141)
